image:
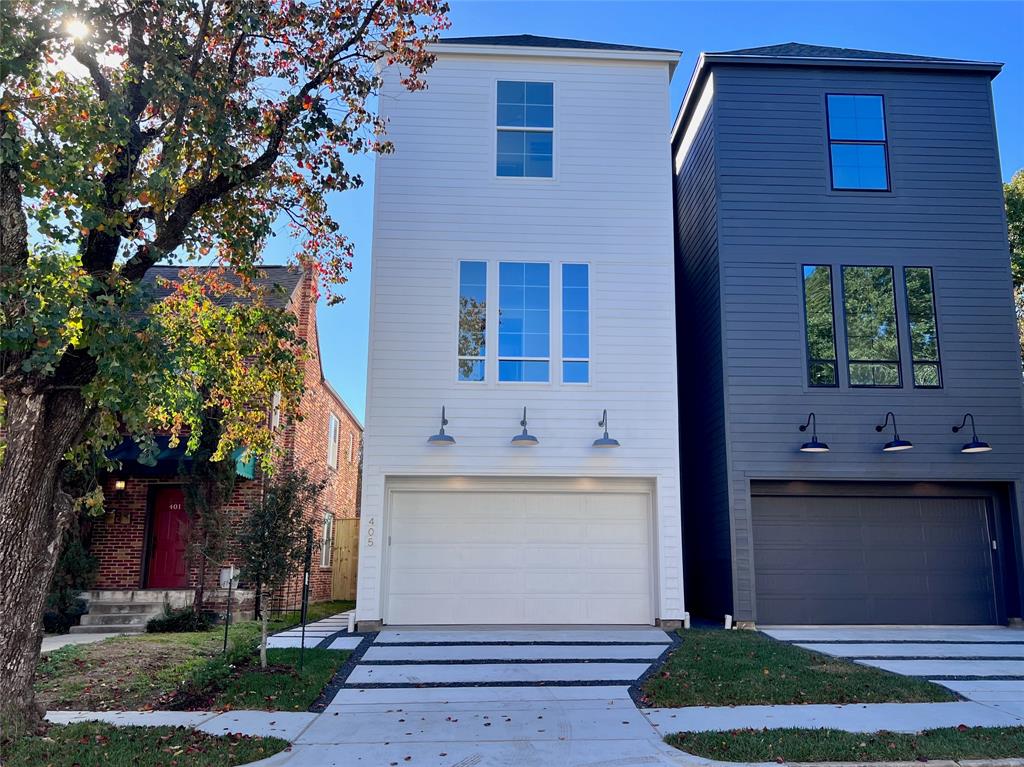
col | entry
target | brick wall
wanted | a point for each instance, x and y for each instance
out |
(118, 538)
(306, 443)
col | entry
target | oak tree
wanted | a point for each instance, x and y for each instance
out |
(140, 132)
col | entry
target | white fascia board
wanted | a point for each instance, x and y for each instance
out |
(668, 57)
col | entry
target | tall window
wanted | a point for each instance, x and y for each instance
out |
(526, 121)
(333, 428)
(327, 541)
(575, 323)
(524, 322)
(857, 142)
(924, 332)
(472, 320)
(820, 326)
(872, 338)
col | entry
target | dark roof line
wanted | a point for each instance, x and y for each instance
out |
(537, 41)
(806, 50)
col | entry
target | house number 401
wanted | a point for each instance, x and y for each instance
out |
(370, 531)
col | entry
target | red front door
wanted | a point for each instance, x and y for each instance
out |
(168, 540)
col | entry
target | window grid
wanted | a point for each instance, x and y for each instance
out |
(333, 428)
(327, 541)
(575, 323)
(819, 326)
(472, 336)
(525, 129)
(872, 325)
(524, 322)
(925, 354)
(858, 142)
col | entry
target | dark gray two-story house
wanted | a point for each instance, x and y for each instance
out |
(843, 266)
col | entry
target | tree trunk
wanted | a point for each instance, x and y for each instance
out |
(263, 641)
(34, 512)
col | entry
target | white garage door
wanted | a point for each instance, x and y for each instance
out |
(519, 557)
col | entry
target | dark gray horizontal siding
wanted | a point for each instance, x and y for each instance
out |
(777, 211)
(705, 478)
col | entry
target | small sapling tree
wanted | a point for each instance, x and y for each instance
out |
(271, 542)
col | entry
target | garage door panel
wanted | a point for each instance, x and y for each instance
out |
(849, 559)
(507, 557)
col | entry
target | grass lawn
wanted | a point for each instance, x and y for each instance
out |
(796, 745)
(180, 670)
(103, 745)
(726, 668)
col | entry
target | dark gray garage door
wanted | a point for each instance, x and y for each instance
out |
(873, 560)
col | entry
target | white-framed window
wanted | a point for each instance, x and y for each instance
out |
(575, 323)
(351, 447)
(472, 340)
(526, 129)
(275, 410)
(333, 428)
(524, 322)
(327, 541)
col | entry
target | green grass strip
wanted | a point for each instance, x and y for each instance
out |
(93, 744)
(805, 745)
(726, 668)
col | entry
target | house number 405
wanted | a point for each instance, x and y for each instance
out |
(370, 531)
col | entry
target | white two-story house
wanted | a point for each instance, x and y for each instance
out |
(523, 286)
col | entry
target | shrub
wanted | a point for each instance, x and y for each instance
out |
(187, 619)
(75, 573)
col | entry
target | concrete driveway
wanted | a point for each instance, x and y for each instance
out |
(982, 663)
(490, 698)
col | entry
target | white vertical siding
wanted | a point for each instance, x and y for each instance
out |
(437, 202)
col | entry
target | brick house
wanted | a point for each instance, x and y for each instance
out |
(142, 542)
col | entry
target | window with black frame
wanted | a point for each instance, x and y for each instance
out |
(857, 142)
(924, 331)
(819, 325)
(872, 335)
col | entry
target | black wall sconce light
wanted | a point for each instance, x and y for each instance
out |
(975, 445)
(605, 441)
(814, 446)
(441, 439)
(896, 444)
(524, 439)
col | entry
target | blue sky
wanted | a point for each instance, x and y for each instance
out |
(990, 31)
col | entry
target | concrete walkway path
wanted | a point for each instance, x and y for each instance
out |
(56, 641)
(984, 664)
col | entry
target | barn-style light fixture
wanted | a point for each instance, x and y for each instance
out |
(441, 439)
(814, 446)
(120, 485)
(525, 439)
(605, 441)
(896, 444)
(975, 445)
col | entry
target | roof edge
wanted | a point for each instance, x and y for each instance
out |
(705, 60)
(666, 57)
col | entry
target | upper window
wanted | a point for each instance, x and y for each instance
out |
(351, 447)
(872, 338)
(575, 323)
(472, 320)
(333, 428)
(857, 142)
(924, 332)
(820, 326)
(524, 322)
(327, 541)
(526, 121)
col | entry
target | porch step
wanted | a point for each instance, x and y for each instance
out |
(115, 628)
(125, 608)
(119, 619)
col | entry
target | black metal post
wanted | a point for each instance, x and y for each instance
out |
(305, 592)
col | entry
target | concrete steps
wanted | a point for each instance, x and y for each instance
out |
(125, 611)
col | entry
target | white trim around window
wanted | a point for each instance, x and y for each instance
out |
(333, 437)
(327, 540)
